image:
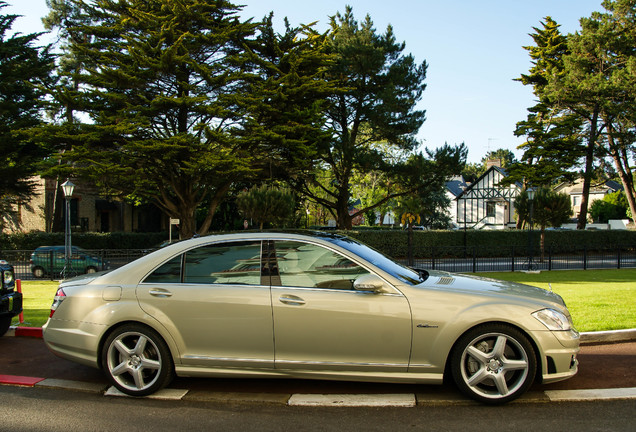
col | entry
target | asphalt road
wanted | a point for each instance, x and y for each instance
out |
(37, 409)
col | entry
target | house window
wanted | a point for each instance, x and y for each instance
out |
(576, 200)
(491, 209)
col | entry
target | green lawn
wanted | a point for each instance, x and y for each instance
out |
(597, 299)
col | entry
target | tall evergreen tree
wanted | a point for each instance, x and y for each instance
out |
(284, 102)
(25, 72)
(552, 149)
(161, 82)
(608, 40)
(373, 109)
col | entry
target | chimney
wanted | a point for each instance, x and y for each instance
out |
(493, 162)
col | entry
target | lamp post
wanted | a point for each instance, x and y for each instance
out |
(531, 193)
(67, 188)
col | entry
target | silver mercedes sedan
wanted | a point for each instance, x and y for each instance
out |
(312, 305)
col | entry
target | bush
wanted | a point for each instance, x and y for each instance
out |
(116, 240)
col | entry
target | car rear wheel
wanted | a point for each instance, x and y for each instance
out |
(493, 363)
(91, 270)
(38, 272)
(137, 360)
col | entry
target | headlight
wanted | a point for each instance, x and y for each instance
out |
(7, 278)
(553, 319)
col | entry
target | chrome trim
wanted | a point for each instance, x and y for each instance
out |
(227, 359)
(333, 290)
(300, 362)
(297, 362)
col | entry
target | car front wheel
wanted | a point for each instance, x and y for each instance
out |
(493, 363)
(137, 360)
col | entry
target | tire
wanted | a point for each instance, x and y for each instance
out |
(38, 272)
(137, 360)
(5, 323)
(493, 363)
(90, 270)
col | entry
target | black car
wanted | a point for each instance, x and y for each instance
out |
(10, 300)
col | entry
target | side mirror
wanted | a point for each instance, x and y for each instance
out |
(369, 283)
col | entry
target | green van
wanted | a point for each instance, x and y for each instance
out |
(50, 260)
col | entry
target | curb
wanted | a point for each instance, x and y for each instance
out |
(404, 400)
(590, 338)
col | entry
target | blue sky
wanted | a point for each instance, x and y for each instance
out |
(474, 50)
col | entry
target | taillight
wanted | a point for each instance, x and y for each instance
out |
(60, 295)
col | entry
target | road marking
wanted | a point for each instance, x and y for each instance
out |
(353, 400)
(581, 395)
(164, 394)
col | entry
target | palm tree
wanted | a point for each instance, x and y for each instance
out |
(550, 209)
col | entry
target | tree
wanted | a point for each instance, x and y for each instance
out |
(552, 148)
(264, 204)
(609, 40)
(162, 83)
(547, 209)
(25, 72)
(285, 100)
(505, 156)
(612, 206)
(373, 110)
(587, 88)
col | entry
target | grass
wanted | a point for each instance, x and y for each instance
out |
(598, 299)
(37, 300)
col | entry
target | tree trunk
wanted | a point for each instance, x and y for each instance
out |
(621, 161)
(587, 176)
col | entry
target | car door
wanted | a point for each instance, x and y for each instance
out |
(321, 322)
(213, 301)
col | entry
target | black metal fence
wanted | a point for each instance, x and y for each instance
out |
(504, 259)
(52, 264)
(453, 259)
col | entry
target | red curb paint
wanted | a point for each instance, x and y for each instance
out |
(35, 332)
(19, 380)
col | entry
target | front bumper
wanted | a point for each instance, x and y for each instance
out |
(558, 355)
(10, 304)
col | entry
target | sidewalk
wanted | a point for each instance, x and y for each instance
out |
(605, 371)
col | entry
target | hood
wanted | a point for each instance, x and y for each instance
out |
(481, 285)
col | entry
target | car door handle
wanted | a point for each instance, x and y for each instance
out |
(292, 300)
(160, 293)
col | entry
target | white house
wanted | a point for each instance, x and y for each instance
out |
(486, 203)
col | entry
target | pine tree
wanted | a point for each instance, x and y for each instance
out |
(161, 81)
(25, 71)
(373, 110)
(552, 149)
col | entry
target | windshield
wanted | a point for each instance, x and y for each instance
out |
(379, 260)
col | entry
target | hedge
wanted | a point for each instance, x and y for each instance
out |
(392, 242)
(116, 240)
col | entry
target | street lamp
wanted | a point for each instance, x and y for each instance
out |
(67, 188)
(531, 193)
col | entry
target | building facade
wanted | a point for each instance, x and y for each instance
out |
(88, 212)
